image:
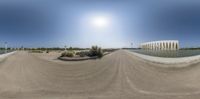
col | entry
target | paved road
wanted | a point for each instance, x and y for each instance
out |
(119, 75)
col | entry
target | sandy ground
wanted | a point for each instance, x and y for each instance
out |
(119, 75)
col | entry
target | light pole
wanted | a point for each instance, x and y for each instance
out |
(131, 45)
(65, 48)
(6, 47)
(22, 48)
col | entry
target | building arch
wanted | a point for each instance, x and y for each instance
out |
(166, 45)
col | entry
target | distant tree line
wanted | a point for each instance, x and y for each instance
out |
(43, 48)
(131, 48)
(2, 48)
(55, 48)
(197, 48)
(110, 49)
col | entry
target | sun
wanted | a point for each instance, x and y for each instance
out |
(100, 22)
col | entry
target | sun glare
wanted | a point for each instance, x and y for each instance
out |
(100, 22)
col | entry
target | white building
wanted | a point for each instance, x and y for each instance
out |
(161, 45)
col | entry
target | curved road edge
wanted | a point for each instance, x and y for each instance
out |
(168, 61)
(3, 56)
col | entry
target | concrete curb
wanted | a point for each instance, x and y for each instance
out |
(162, 60)
(3, 56)
(76, 59)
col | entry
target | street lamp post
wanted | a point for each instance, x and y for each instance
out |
(65, 47)
(131, 45)
(6, 47)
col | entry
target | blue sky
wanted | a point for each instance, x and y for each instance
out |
(58, 23)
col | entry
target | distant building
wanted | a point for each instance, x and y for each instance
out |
(161, 45)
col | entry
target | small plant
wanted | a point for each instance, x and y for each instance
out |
(47, 51)
(96, 51)
(70, 48)
(67, 54)
(99, 52)
(63, 54)
(82, 53)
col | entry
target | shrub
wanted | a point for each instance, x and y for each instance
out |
(63, 54)
(67, 54)
(82, 53)
(96, 51)
(70, 48)
(99, 52)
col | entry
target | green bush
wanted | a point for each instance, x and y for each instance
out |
(67, 54)
(96, 51)
(99, 52)
(82, 53)
(70, 48)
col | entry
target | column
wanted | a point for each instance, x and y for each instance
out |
(172, 47)
(167, 47)
(177, 46)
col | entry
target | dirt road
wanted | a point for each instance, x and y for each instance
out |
(116, 76)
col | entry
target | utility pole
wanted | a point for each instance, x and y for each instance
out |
(22, 48)
(131, 45)
(65, 48)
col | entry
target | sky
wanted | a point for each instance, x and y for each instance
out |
(56, 23)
